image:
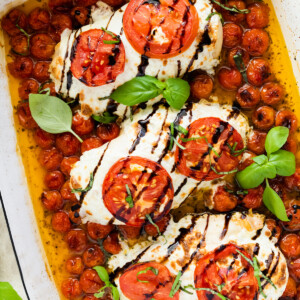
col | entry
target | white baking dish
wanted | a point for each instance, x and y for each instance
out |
(13, 186)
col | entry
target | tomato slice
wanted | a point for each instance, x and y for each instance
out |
(160, 29)
(227, 269)
(150, 186)
(94, 62)
(209, 150)
(158, 286)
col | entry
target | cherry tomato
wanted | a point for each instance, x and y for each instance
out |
(75, 265)
(246, 161)
(41, 71)
(264, 117)
(293, 213)
(294, 268)
(67, 164)
(197, 160)
(60, 5)
(256, 142)
(232, 35)
(80, 15)
(93, 256)
(291, 289)
(223, 200)
(90, 281)
(256, 41)
(24, 116)
(39, 19)
(71, 288)
(287, 119)
(274, 228)
(82, 125)
(230, 78)
(129, 232)
(67, 143)
(75, 217)
(85, 2)
(91, 143)
(19, 44)
(66, 192)
(159, 285)
(44, 140)
(141, 20)
(54, 180)
(111, 244)
(108, 132)
(60, 22)
(290, 245)
(291, 145)
(12, 19)
(223, 266)
(61, 222)
(52, 200)
(202, 86)
(258, 71)
(293, 182)
(21, 67)
(248, 96)
(150, 186)
(98, 231)
(254, 198)
(162, 225)
(95, 62)
(230, 16)
(28, 86)
(42, 46)
(76, 240)
(272, 93)
(48, 86)
(258, 17)
(237, 51)
(50, 159)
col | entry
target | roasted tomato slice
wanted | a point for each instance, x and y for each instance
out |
(227, 272)
(212, 149)
(135, 187)
(160, 29)
(98, 57)
(150, 280)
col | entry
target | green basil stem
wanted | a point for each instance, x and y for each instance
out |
(129, 198)
(25, 33)
(238, 59)
(215, 13)
(109, 32)
(220, 286)
(176, 285)
(208, 290)
(232, 9)
(153, 270)
(152, 223)
(234, 152)
(80, 190)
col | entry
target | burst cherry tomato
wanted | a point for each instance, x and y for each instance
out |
(67, 164)
(176, 33)
(256, 142)
(80, 15)
(45, 140)
(274, 228)
(294, 268)
(230, 16)
(258, 71)
(258, 16)
(291, 145)
(290, 291)
(28, 86)
(90, 281)
(293, 182)
(81, 124)
(290, 245)
(293, 212)
(202, 86)
(75, 265)
(71, 288)
(223, 200)
(162, 225)
(96, 62)
(93, 256)
(232, 35)
(237, 51)
(91, 143)
(272, 93)
(230, 78)
(24, 116)
(287, 119)
(248, 96)
(148, 185)
(158, 285)
(111, 244)
(254, 198)
(21, 67)
(199, 159)
(264, 117)
(60, 22)
(129, 232)
(67, 143)
(13, 18)
(256, 41)
(108, 132)
(52, 200)
(39, 19)
(98, 231)
(41, 71)
(66, 192)
(19, 45)
(50, 159)
(76, 240)
(54, 180)
(61, 222)
(223, 266)
(42, 46)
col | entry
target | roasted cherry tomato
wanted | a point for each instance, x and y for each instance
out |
(223, 200)
(290, 291)
(93, 256)
(76, 240)
(99, 57)
(41, 71)
(91, 143)
(66, 192)
(293, 212)
(294, 268)
(246, 161)
(230, 16)
(24, 116)
(85, 2)
(202, 86)
(230, 78)
(256, 41)
(293, 182)
(67, 143)
(210, 157)
(274, 228)
(39, 19)
(258, 17)
(237, 51)
(90, 281)
(291, 145)
(108, 132)
(75, 265)
(158, 285)
(290, 245)
(60, 22)
(135, 188)
(232, 35)
(60, 5)
(52, 200)
(81, 124)
(264, 117)
(42, 46)
(67, 164)
(223, 266)
(54, 180)
(162, 225)
(287, 119)
(61, 222)
(129, 232)
(258, 71)
(44, 140)
(254, 198)
(50, 159)
(111, 244)
(48, 86)
(248, 96)
(98, 231)
(14, 21)
(272, 93)
(28, 86)
(19, 44)
(80, 15)
(21, 67)
(71, 288)
(256, 142)
(150, 36)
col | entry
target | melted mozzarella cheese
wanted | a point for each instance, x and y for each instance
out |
(181, 249)
(153, 145)
(103, 16)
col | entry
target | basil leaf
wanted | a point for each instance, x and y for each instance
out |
(276, 138)
(177, 92)
(51, 114)
(100, 293)
(284, 162)
(274, 203)
(232, 9)
(268, 170)
(129, 199)
(153, 270)
(7, 292)
(102, 273)
(137, 90)
(115, 293)
(251, 177)
(261, 159)
(105, 118)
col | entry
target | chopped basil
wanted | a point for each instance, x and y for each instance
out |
(235, 152)
(108, 42)
(215, 13)
(205, 289)
(176, 285)
(81, 190)
(232, 9)
(105, 118)
(155, 272)
(238, 59)
(109, 32)
(220, 286)
(25, 33)
(129, 199)
(152, 223)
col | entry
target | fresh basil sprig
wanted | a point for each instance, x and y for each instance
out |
(153, 270)
(7, 292)
(277, 162)
(101, 271)
(51, 113)
(238, 60)
(141, 89)
(81, 190)
(129, 198)
(232, 9)
(105, 118)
